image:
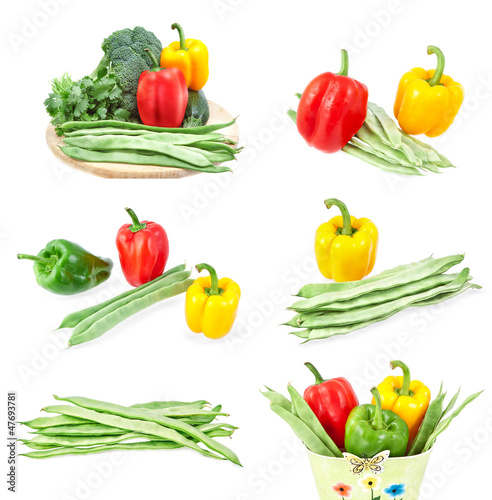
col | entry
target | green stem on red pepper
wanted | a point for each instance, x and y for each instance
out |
(436, 77)
(316, 373)
(405, 388)
(137, 225)
(347, 221)
(214, 280)
(155, 62)
(345, 64)
(377, 421)
(182, 39)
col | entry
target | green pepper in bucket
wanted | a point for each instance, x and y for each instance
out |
(371, 430)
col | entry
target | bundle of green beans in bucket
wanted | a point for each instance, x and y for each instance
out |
(362, 451)
(90, 426)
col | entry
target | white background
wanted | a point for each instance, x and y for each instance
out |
(256, 226)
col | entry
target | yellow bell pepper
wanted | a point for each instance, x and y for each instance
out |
(211, 304)
(188, 55)
(427, 102)
(407, 398)
(345, 247)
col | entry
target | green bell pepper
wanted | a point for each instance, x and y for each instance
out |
(66, 268)
(371, 430)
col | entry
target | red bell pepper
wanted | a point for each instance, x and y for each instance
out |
(162, 96)
(143, 248)
(332, 109)
(331, 401)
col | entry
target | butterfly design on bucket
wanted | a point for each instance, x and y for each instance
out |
(360, 465)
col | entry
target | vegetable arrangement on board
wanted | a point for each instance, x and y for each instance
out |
(334, 115)
(89, 426)
(66, 268)
(393, 425)
(329, 309)
(132, 110)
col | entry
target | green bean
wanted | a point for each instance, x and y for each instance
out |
(379, 162)
(375, 127)
(211, 156)
(71, 441)
(136, 158)
(92, 405)
(372, 312)
(390, 154)
(445, 296)
(444, 424)
(307, 415)
(120, 142)
(421, 270)
(73, 319)
(302, 431)
(277, 398)
(124, 299)
(390, 294)
(36, 446)
(214, 146)
(90, 429)
(41, 422)
(205, 129)
(159, 405)
(140, 426)
(181, 139)
(149, 445)
(107, 131)
(428, 425)
(451, 405)
(387, 124)
(417, 150)
(205, 419)
(309, 291)
(432, 155)
(188, 412)
(113, 318)
(302, 334)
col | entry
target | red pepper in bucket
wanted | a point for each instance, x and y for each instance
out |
(331, 401)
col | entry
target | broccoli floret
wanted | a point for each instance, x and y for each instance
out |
(125, 56)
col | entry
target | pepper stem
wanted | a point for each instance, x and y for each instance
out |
(377, 422)
(345, 64)
(155, 62)
(35, 258)
(137, 225)
(182, 39)
(317, 375)
(347, 222)
(214, 286)
(405, 388)
(436, 78)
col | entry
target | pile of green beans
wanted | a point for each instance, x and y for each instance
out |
(330, 309)
(90, 426)
(306, 426)
(198, 148)
(381, 143)
(92, 322)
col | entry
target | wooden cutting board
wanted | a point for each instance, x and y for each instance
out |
(131, 171)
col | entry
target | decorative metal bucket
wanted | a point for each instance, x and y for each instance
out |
(400, 478)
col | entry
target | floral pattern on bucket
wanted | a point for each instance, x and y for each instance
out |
(370, 483)
(395, 491)
(342, 490)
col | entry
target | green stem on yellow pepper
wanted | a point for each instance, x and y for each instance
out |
(405, 388)
(377, 422)
(182, 39)
(347, 221)
(214, 280)
(345, 64)
(436, 78)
